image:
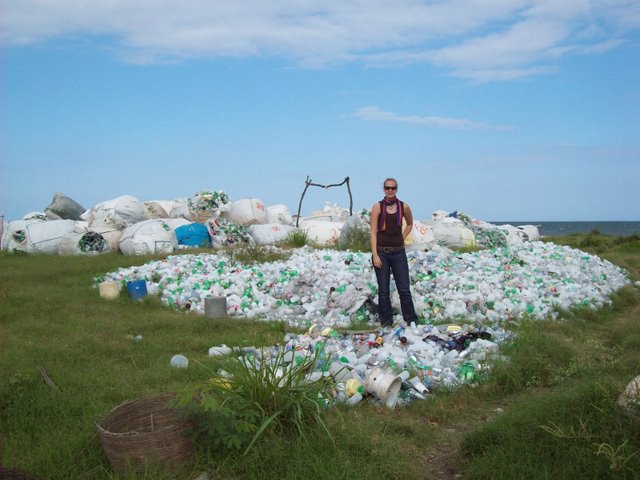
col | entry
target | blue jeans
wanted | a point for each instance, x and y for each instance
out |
(395, 263)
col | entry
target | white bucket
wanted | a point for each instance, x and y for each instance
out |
(109, 289)
(384, 385)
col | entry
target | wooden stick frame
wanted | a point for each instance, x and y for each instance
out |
(309, 183)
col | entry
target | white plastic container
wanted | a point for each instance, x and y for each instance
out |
(384, 385)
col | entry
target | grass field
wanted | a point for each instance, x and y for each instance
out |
(548, 413)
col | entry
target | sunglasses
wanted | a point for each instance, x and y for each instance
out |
(389, 187)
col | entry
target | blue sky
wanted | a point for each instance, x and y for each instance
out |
(502, 109)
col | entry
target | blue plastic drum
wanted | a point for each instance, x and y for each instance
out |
(137, 289)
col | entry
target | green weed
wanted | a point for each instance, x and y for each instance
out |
(564, 434)
(296, 239)
(247, 397)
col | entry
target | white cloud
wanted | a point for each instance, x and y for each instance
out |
(502, 74)
(521, 44)
(508, 37)
(374, 113)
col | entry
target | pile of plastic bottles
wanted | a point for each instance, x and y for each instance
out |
(415, 359)
(333, 288)
(208, 201)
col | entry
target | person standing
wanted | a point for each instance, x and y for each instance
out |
(388, 254)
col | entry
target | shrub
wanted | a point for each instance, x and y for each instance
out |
(591, 241)
(235, 408)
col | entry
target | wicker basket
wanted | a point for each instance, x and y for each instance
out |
(145, 431)
(13, 474)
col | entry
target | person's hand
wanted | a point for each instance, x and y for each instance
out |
(376, 261)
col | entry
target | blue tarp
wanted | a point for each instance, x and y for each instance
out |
(193, 235)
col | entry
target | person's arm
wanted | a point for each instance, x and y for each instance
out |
(375, 214)
(408, 217)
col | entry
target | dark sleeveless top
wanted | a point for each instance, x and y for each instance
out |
(391, 236)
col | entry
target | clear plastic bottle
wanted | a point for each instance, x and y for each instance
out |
(357, 397)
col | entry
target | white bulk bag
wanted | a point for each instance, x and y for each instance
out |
(482, 225)
(180, 209)
(124, 210)
(38, 237)
(70, 244)
(323, 234)
(279, 214)
(105, 219)
(3, 228)
(111, 235)
(165, 205)
(420, 234)
(515, 236)
(14, 236)
(41, 216)
(247, 211)
(452, 233)
(63, 208)
(270, 233)
(154, 209)
(531, 231)
(148, 237)
(176, 222)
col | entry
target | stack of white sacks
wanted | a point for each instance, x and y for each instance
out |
(127, 225)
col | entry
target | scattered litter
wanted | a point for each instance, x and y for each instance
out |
(179, 361)
(389, 366)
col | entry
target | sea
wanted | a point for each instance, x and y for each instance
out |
(623, 229)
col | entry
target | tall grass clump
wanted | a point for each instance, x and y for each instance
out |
(296, 239)
(251, 395)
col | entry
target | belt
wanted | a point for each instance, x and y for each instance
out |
(391, 249)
